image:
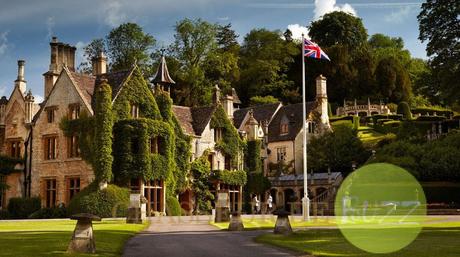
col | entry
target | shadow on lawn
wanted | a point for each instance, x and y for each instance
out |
(431, 242)
(54, 243)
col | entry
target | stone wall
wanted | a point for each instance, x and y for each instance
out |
(63, 167)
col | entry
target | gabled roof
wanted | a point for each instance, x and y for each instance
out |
(261, 113)
(201, 117)
(116, 80)
(85, 84)
(193, 119)
(184, 116)
(293, 113)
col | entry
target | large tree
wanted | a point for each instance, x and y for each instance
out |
(124, 45)
(440, 28)
(338, 28)
(264, 61)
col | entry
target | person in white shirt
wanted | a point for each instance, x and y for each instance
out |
(256, 204)
(270, 203)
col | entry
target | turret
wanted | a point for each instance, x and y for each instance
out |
(162, 79)
(29, 100)
(99, 64)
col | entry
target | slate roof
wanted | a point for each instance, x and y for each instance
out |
(85, 83)
(194, 119)
(115, 80)
(261, 113)
(184, 116)
(293, 113)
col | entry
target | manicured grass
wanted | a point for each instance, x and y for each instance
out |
(330, 242)
(369, 136)
(268, 222)
(51, 237)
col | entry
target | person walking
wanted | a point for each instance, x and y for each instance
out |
(256, 204)
(270, 203)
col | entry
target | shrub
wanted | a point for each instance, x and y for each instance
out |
(404, 110)
(50, 213)
(4, 215)
(110, 202)
(172, 206)
(345, 123)
(21, 208)
(261, 100)
(431, 118)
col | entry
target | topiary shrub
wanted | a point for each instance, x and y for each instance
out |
(50, 213)
(110, 202)
(404, 110)
(173, 207)
(21, 208)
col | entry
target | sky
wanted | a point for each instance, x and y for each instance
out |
(26, 26)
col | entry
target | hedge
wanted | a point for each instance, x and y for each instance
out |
(377, 117)
(110, 202)
(431, 118)
(431, 111)
(234, 177)
(388, 126)
(404, 110)
(21, 208)
(173, 206)
(49, 213)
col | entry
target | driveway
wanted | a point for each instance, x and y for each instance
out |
(196, 238)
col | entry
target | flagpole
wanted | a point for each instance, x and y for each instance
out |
(305, 199)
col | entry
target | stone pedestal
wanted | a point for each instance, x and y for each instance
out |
(282, 226)
(83, 237)
(236, 224)
(222, 214)
(136, 210)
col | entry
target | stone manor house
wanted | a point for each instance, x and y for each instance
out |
(54, 170)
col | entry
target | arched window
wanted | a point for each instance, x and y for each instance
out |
(311, 127)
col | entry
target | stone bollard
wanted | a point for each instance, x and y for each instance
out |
(236, 224)
(282, 226)
(83, 237)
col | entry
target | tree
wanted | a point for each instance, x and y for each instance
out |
(265, 59)
(440, 28)
(338, 28)
(393, 80)
(194, 41)
(382, 41)
(127, 44)
(260, 100)
(91, 51)
(336, 150)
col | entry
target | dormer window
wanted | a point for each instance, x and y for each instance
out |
(284, 125)
(134, 111)
(74, 111)
(217, 134)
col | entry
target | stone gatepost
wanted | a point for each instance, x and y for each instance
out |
(282, 226)
(222, 206)
(136, 210)
(83, 238)
(236, 224)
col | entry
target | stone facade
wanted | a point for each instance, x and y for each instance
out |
(63, 166)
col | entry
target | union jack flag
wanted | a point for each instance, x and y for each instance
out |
(312, 50)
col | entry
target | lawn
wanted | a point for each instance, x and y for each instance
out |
(51, 237)
(369, 136)
(442, 242)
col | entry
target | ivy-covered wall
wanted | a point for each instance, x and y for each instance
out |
(231, 144)
(252, 156)
(136, 91)
(131, 150)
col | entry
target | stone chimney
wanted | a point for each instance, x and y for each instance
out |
(29, 99)
(3, 103)
(61, 55)
(321, 98)
(20, 82)
(99, 64)
(227, 103)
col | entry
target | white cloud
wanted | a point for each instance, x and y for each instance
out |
(398, 16)
(3, 42)
(297, 31)
(113, 14)
(50, 26)
(323, 7)
(38, 99)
